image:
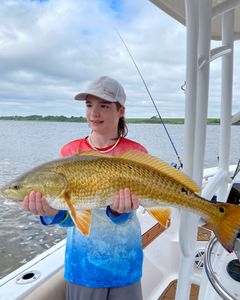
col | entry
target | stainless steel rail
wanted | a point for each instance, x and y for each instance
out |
(210, 273)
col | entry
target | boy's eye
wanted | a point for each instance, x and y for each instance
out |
(104, 106)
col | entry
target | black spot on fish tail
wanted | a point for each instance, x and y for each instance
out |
(221, 209)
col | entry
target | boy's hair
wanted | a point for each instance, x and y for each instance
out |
(122, 124)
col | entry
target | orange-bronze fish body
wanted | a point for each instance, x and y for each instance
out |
(90, 180)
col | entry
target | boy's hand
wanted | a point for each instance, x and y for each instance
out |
(124, 201)
(37, 204)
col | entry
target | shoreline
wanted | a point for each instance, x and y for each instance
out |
(153, 120)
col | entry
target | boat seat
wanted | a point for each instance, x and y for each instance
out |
(52, 289)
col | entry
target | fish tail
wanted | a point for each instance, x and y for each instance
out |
(227, 227)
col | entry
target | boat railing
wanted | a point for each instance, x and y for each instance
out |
(211, 274)
(210, 172)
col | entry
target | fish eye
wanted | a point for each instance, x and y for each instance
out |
(221, 209)
(16, 187)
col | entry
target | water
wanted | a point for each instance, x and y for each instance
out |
(27, 144)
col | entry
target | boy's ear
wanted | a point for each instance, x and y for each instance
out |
(122, 111)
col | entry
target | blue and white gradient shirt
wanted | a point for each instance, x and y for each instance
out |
(111, 256)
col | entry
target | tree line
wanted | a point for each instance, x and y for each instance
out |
(80, 119)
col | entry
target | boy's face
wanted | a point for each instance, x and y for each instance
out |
(103, 116)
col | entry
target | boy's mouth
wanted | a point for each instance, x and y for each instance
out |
(96, 122)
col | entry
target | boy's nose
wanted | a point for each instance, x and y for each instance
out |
(95, 111)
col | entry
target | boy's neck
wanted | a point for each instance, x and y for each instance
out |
(102, 141)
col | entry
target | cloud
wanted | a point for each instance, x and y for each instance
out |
(50, 50)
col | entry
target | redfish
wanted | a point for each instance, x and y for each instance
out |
(90, 180)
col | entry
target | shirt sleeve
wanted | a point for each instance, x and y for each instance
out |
(64, 151)
(62, 218)
(121, 218)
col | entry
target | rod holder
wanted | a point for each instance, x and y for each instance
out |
(28, 277)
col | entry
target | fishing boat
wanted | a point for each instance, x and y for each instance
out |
(185, 261)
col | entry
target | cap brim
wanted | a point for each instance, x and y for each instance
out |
(81, 96)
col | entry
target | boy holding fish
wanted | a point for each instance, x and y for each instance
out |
(106, 261)
(103, 252)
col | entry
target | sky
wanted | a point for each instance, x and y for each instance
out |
(50, 50)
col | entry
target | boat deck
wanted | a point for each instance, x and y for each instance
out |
(170, 292)
(204, 234)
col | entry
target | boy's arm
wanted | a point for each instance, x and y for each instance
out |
(62, 218)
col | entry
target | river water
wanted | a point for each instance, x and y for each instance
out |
(24, 145)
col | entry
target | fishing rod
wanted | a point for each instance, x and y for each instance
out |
(164, 126)
(237, 170)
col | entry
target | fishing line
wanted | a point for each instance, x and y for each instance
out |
(164, 126)
(237, 170)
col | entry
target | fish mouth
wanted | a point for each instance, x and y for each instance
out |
(2, 194)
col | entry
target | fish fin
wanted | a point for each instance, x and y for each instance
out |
(81, 218)
(162, 215)
(160, 166)
(152, 162)
(226, 224)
